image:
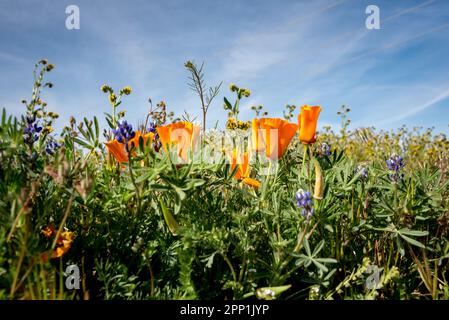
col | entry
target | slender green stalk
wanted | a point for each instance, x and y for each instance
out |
(136, 187)
(225, 258)
(304, 159)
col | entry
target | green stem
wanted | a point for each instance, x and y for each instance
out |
(151, 280)
(304, 160)
(23, 251)
(236, 109)
(395, 199)
(114, 120)
(297, 246)
(225, 258)
(131, 173)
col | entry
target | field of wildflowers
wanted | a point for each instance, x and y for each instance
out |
(266, 209)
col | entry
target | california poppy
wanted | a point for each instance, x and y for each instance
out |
(183, 134)
(272, 135)
(243, 169)
(117, 149)
(307, 120)
(63, 243)
(135, 141)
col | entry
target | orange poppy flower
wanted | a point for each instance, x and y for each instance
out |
(183, 134)
(307, 120)
(63, 243)
(59, 252)
(117, 149)
(257, 139)
(243, 170)
(145, 137)
(272, 135)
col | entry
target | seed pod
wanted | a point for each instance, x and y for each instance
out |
(319, 180)
(270, 293)
(172, 224)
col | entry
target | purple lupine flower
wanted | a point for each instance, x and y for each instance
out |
(363, 171)
(31, 130)
(152, 128)
(395, 163)
(325, 149)
(124, 133)
(304, 201)
(51, 147)
(156, 144)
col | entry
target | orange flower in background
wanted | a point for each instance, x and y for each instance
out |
(257, 139)
(117, 149)
(272, 135)
(48, 231)
(307, 120)
(145, 137)
(182, 134)
(243, 170)
(63, 243)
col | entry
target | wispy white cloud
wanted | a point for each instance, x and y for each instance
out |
(8, 58)
(442, 95)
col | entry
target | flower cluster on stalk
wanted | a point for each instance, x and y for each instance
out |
(362, 171)
(51, 147)
(395, 163)
(156, 142)
(325, 149)
(124, 133)
(304, 201)
(31, 130)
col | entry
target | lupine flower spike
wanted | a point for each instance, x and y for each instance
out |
(395, 163)
(51, 147)
(125, 141)
(31, 131)
(363, 172)
(325, 149)
(304, 201)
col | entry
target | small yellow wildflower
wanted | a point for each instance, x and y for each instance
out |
(127, 90)
(245, 92)
(233, 87)
(112, 98)
(53, 115)
(105, 88)
(47, 129)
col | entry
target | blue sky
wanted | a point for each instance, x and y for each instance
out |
(286, 52)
